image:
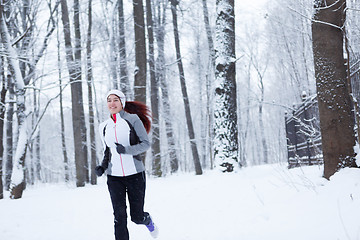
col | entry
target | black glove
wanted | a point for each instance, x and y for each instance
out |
(120, 148)
(99, 170)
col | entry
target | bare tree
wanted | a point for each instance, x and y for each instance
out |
(154, 96)
(89, 75)
(335, 104)
(160, 23)
(18, 176)
(78, 116)
(124, 78)
(140, 52)
(2, 116)
(225, 104)
(112, 47)
(189, 122)
(9, 132)
(209, 77)
(62, 121)
(209, 33)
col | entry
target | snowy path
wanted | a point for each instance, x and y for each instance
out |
(257, 203)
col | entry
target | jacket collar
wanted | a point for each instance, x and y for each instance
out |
(118, 115)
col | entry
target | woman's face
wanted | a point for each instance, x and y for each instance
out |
(114, 104)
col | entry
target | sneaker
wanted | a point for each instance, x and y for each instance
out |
(153, 229)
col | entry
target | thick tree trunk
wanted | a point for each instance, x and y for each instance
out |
(189, 122)
(225, 106)
(140, 52)
(78, 64)
(335, 104)
(78, 116)
(154, 88)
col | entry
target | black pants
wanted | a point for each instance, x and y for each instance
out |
(134, 186)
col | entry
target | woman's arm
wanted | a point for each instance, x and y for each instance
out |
(144, 143)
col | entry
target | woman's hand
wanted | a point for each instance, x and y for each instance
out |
(99, 170)
(120, 148)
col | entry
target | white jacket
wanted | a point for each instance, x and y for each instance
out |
(128, 130)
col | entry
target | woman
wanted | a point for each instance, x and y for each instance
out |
(124, 137)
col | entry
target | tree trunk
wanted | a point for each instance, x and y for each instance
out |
(140, 52)
(156, 162)
(36, 141)
(62, 121)
(209, 77)
(112, 46)
(124, 79)
(264, 144)
(93, 178)
(77, 55)
(2, 116)
(225, 106)
(335, 104)
(208, 33)
(203, 115)
(190, 127)
(78, 116)
(9, 133)
(18, 176)
(263, 136)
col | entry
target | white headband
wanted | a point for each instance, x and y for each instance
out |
(118, 93)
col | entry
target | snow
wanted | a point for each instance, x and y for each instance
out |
(255, 203)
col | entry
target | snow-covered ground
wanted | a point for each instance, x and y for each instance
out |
(264, 202)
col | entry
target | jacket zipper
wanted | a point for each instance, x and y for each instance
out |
(121, 161)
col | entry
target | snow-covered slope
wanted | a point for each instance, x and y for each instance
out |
(264, 202)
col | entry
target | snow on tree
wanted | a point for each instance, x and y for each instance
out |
(18, 176)
(225, 107)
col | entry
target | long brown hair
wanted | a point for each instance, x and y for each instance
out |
(143, 111)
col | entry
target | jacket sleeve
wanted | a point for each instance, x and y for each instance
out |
(106, 149)
(106, 158)
(144, 143)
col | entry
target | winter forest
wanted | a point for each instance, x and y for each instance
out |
(219, 80)
(220, 77)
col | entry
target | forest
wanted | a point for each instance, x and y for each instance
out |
(219, 77)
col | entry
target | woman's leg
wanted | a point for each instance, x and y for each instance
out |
(117, 191)
(136, 193)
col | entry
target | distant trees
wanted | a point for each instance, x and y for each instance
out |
(333, 86)
(231, 112)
